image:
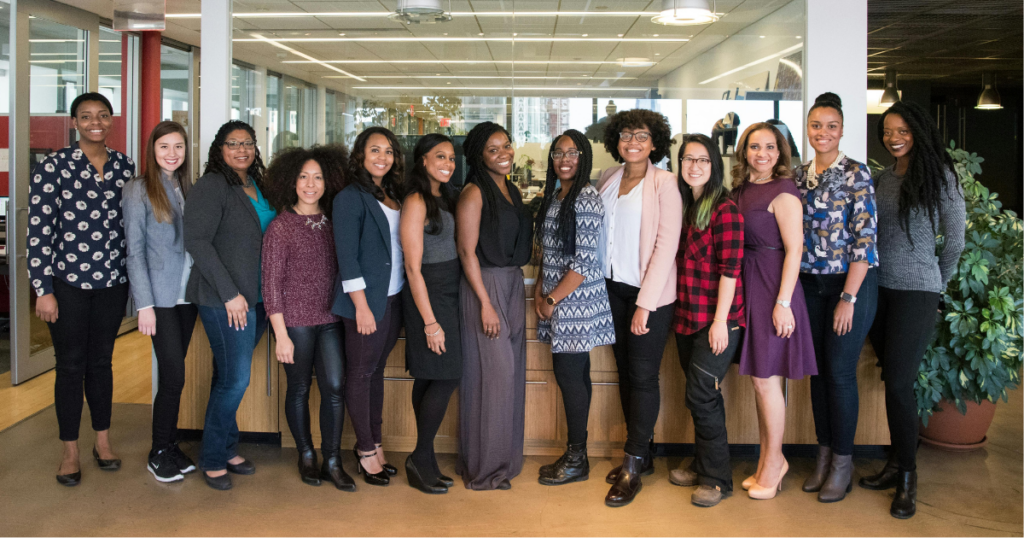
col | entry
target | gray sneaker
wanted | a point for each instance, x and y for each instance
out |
(707, 496)
(683, 476)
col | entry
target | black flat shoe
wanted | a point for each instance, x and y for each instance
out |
(106, 465)
(505, 484)
(245, 468)
(71, 479)
(373, 479)
(308, 470)
(332, 471)
(416, 481)
(221, 483)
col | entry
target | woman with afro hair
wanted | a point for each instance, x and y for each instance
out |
(642, 222)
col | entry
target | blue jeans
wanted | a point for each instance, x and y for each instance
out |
(232, 361)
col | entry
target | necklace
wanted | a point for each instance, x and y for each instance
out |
(316, 225)
(761, 180)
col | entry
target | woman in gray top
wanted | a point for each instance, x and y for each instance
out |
(158, 269)
(918, 199)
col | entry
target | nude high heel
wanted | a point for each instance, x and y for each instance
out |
(759, 492)
(747, 482)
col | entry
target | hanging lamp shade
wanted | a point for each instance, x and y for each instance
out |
(685, 13)
(891, 93)
(989, 98)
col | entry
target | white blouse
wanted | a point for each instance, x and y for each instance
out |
(397, 258)
(622, 232)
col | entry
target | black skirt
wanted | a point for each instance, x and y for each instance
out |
(442, 280)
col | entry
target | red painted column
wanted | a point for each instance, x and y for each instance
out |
(149, 91)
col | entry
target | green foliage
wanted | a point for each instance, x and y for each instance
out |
(977, 350)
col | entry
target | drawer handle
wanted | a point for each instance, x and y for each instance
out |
(536, 382)
(605, 384)
(399, 379)
(270, 363)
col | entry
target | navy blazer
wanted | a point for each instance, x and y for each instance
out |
(362, 240)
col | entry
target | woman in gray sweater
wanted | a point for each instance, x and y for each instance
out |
(918, 199)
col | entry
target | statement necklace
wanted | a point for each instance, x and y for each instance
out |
(761, 180)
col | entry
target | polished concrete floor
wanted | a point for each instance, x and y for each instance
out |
(977, 493)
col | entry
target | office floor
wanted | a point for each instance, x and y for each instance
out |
(977, 493)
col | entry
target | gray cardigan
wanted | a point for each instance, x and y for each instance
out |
(224, 237)
(156, 250)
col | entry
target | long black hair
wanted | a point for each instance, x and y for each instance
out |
(215, 160)
(925, 180)
(360, 176)
(418, 182)
(697, 212)
(566, 230)
(473, 150)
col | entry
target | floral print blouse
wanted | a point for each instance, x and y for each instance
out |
(840, 219)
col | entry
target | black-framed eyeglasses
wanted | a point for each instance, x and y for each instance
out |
(572, 155)
(701, 161)
(235, 144)
(641, 136)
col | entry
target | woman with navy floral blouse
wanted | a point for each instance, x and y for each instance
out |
(840, 289)
(76, 262)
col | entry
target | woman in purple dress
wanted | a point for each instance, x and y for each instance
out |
(778, 340)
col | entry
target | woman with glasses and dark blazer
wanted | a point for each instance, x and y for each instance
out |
(226, 216)
(642, 222)
(368, 296)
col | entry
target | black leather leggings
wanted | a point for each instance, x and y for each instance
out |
(318, 346)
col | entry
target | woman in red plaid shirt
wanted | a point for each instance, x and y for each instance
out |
(709, 313)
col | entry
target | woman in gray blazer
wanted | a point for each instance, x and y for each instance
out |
(158, 268)
(225, 219)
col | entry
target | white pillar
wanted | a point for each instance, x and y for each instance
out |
(259, 116)
(214, 73)
(321, 114)
(836, 60)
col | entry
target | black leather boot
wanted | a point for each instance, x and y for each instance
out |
(840, 480)
(647, 469)
(904, 505)
(332, 470)
(885, 479)
(307, 467)
(817, 478)
(628, 484)
(573, 466)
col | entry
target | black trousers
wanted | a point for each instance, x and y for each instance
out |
(835, 402)
(316, 347)
(638, 360)
(704, 374)
(572, 372)
(365, 359)
(901, 333)
(83, 344)
(174, 328)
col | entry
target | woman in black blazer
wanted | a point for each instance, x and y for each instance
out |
(368, 292)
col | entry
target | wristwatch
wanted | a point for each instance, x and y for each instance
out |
(848, 298)
(550, 300)
(784, 304)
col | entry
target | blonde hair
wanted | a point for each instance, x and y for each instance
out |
(741, 170)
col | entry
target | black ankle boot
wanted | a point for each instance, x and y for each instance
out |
(885, 479)
(332, 470)
(573, 466)
(628, 484)
(904, 505)
(307, 467)
(647, 469)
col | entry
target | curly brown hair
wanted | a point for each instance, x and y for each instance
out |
(742, 168)
(638, 118)
(357, 174)
(284, 170)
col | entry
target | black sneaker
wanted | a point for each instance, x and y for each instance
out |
(184, 463)
(163, 468)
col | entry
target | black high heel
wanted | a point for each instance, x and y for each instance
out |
(388, 468)
(416, 481)
(373, 479)
(106, 465)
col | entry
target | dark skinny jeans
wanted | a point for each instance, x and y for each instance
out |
(174, 327)
(572, 372)
(316, 347)
(835, 403)
(365, 358)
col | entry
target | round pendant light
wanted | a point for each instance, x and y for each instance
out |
(685, 13)
(421, 11)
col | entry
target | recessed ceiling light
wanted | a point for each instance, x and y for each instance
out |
(657, 54)
(514, 34)
(341, 34)
(762, 37)
(585, 35)
(446, 33)
(481, 33)
(620, 35)
(656, 35)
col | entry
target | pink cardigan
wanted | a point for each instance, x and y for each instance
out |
(660, 226)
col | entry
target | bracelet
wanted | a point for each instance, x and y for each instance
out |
(722, 320)
(431, 323)
(437, 332)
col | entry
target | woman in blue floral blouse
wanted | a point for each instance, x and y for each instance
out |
(840, 288)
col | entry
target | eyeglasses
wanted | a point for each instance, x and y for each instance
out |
(641, 136)
(572, 155)
(235, 144)
(702, 161)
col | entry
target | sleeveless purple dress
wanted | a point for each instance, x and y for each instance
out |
(764, 354)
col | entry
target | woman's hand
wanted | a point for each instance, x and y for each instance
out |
(546, 310)
(147, 321)
(718, 336)
(842, 322)
(489, 320)
(537, 300)
(784, 321)
(238, 312)
(639, 325)
(365, 323)
(435, 341)
(46, 308)
(285, 349)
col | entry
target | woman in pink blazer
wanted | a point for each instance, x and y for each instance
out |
(642, 223)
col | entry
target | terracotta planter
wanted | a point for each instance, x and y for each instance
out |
(949, 430)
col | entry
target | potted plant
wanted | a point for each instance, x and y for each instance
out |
(976, 355)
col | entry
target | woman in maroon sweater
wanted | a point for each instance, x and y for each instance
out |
(299, 264)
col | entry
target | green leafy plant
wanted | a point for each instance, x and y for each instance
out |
(977, 350)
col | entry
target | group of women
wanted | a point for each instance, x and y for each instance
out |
(786, 272)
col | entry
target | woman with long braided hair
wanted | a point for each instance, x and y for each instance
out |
(493, 231)
(918, 198)
(570, 298)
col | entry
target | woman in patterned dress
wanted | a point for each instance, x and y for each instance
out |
(570, 297)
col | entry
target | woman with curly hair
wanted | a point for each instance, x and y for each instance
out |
(918, 198)
(642, 222)
(299, 270)
(368, 297)
(778, 341)
(494, 233)
(225, 218)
